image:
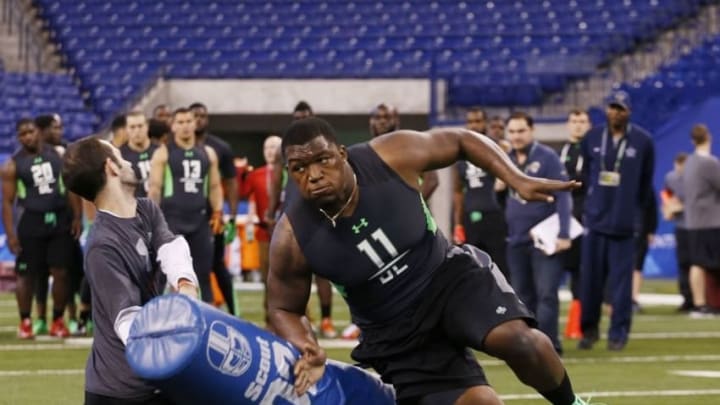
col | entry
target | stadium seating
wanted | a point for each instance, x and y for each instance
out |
(492, 52)
(33, 94)
(685, 82)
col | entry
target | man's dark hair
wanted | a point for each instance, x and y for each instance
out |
(497, 118)
(521, 115)
(24, 121)
(303, 106)
(699, 134)
(120, 121)
(158, 128)
(44, 122)
(84, 166)
(304, 130)
(680, 158)
(181, 110)
(159, 107)
(578, 111)
(477, 109)
(198, 104)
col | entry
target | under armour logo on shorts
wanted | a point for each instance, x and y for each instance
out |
(500, 310)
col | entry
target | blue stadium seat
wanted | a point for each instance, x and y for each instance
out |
(356, 38)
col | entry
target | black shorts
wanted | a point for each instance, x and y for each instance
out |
(426, 349)
(490, 235)
(43, 246)
(76, 270)
(705, 249)
(682, 248)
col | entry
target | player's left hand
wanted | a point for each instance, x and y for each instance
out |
(539, 189)
(187, 288)
(216, 223)
(309, 369)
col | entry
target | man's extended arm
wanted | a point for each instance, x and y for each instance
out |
(411, 153)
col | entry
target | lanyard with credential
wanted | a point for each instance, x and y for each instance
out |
(620, 154)
(564, 154)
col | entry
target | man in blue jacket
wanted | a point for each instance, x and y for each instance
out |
(534, 274)
(619, 160)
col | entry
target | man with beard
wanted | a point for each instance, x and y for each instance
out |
(128, 240)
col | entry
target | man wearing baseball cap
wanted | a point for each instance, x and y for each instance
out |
(619, 162)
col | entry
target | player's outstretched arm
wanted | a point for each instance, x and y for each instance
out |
(411, 153)
(288, 283)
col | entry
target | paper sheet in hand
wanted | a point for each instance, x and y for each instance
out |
(545, 233)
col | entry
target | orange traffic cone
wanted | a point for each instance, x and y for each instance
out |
(218, 299)
(572, 328)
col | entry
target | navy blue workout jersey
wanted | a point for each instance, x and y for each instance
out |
(383, 256)
(479, 187)
(185, 188)
(141, 165)
(39, 184)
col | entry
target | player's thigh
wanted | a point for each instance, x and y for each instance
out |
(32, 259)
(483, 301)
(475, 395)
(61, 250)
(478, 395)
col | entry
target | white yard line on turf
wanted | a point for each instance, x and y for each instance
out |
(506, 397)
(696, 373)
(618, 394)
(645, 299)
(22, 373)
(43, 346)
(627, 359)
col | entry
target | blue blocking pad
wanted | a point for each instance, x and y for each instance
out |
(197, 354)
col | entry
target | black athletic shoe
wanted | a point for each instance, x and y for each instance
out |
(615, 346)
(685, 307)
(589, 339)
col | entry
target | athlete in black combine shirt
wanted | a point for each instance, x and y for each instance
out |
(185, 182)
(420, 303)
(138, 150)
